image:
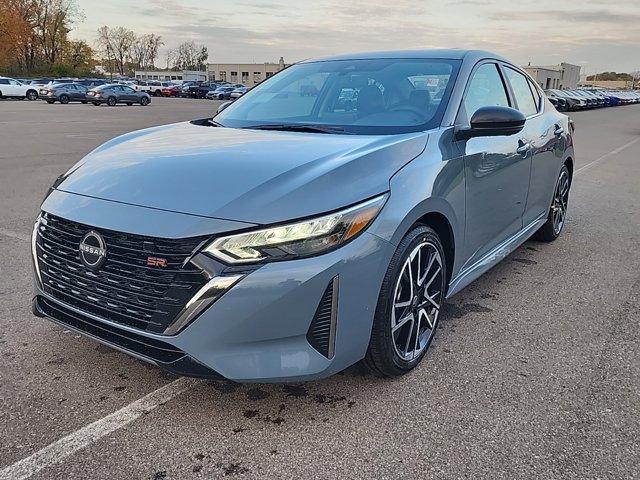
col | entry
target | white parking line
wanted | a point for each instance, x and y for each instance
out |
(12, 234)
(607, 155)
(66, 446)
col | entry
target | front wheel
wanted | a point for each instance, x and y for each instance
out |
(558, 211)
(51, 102)
(32, 95)
(144, 101)
(411, 297)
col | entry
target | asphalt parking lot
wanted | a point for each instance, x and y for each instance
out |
(534, 373)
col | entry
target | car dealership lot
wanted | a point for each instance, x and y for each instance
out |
(535, 371)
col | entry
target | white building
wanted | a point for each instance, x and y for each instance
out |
(171, 75)
(249, 74)
(562, 76)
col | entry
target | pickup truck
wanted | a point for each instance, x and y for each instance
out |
(153, 87)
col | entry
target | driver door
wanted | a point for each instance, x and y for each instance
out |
(496, 170)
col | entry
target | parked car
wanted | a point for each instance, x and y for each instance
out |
(11, 88)
(200, 90)
(564, 101)
(238, 92)
(220, 93)
(285, 238)
(171, 91)
(113, 94)
(64, 93)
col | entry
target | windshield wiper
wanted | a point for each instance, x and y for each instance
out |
(298, 127)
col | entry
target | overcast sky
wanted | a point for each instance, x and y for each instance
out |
(599, 35)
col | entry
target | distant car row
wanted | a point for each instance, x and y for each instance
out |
(566, 100)
(220, 90)
(109, 94)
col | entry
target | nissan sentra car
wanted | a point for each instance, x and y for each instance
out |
(290, 235)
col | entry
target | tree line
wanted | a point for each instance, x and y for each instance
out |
(123, 52)
(34, 40)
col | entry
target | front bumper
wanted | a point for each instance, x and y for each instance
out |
(258, 330)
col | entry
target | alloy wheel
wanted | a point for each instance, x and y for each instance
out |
(417, 300)
(560, 199)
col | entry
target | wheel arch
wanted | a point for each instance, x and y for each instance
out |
(440, 216)
(569, 163)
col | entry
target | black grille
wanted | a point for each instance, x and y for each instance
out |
(156, 350)
(124, 289)
(321, 331)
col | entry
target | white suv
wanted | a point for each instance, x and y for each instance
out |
(10, 88)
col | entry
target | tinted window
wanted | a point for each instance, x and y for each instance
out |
(373, 96)
(4, 81)
(486, 89)
(522, 92)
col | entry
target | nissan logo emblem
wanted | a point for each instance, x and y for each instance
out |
(93, 250)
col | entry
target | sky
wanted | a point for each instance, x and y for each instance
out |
(598, 35)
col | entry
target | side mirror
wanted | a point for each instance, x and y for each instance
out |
(493, 122)
(223, 106)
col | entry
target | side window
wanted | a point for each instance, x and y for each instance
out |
(129, 90)
(536, 94)
(486, 89)
(14, 82)
(520, 85)
(4, 81)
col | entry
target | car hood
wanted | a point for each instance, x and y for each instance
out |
(255, 176)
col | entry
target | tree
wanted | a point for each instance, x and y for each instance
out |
(116, 44)
(52, 24)
(14, 31)
(189, 56)
(144, 50)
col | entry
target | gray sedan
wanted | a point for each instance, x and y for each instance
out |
(113, 94)
(64, 93)
(293, 235)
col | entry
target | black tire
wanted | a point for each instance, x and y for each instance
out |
(552, 229)
(144, 101)
(1, 96)
(32, 95)
(158, 93)
(220, 97)
(51, 102)
(84, 102)
(111, 101)
(64, 99)
(129, 104)
(97, 104)
(382, 356)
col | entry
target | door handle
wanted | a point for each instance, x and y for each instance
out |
(523, 148)
(558, 131)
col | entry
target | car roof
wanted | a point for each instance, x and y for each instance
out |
(449, 54)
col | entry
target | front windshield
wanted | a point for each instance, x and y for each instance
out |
(377, 96)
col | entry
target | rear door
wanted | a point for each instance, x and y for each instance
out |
(542, 133)
(496, 169)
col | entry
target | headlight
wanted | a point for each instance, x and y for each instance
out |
(300, 239)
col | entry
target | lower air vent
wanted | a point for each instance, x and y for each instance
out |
(322, 332)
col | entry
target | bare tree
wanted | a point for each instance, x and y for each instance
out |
(144, 50)
(189, 56)
(116, 44)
